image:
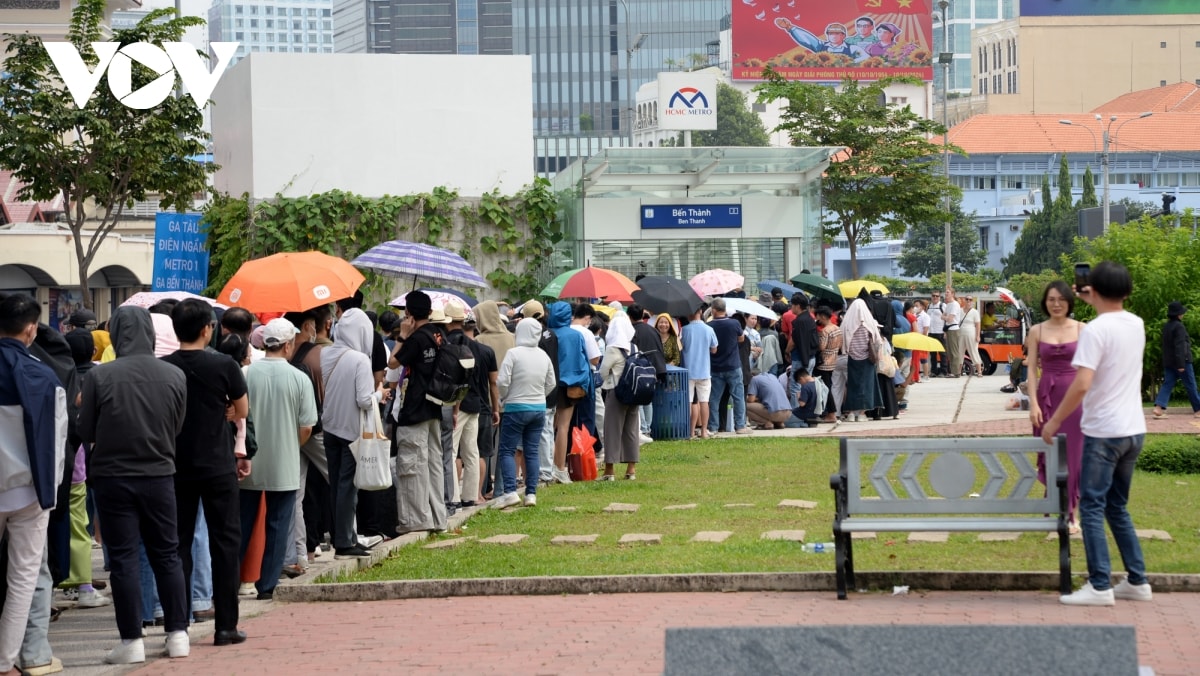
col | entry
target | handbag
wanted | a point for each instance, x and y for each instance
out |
(372, 453)
(581, 461)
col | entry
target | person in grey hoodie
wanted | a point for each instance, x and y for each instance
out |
(349, 390)
(132, 409)
(526, 378)
(495, 334)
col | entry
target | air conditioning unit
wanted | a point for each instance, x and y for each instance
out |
(1014, 227)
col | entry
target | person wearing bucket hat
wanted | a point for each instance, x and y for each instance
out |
(1177, 362)
(420, 500)
(483, 399)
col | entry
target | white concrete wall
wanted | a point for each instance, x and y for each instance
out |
(373, 124)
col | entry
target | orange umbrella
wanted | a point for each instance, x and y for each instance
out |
(599, 283)
(290, 282)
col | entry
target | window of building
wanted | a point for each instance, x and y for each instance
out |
(269, 10)
(312, 38)
(983, 85)
(899, 100)
(238, 23)
(984, 182)
(311, 11)
(296, 25)
(254, 23)
(254, 9)
(254, 37)
(327, 38)
(982, 60)
(237, 9)
(1189, 180)
(270, 23)
(1162, 83)
(270, 49)
(297, 38)
(325, 12)
(283, 37)
(270, 37)
(239, 36)
(1162, 45)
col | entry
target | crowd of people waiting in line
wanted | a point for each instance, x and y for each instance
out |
(165, 434)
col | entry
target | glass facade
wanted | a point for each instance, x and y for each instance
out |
(435, 26)
(302, 26)
(584, 71)
(966, 16)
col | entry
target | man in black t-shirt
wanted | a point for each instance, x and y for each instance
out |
(206, 469)
(420, 504)
(727, 369)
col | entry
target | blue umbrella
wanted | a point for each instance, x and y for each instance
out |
(787, 289)
(399, 258)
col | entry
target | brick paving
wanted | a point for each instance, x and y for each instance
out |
(623, 633)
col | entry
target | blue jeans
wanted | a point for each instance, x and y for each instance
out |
(647, 419)
(731, 380)
(521, 429)
(1103, 493)
(1189, 383)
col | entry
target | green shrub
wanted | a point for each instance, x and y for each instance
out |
(1175, 454)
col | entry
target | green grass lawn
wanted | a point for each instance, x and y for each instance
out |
(763, 472)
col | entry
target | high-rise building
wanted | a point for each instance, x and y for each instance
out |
(272, 25)
(964, 17)
(423, 26)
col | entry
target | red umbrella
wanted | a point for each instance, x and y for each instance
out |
(599, 283)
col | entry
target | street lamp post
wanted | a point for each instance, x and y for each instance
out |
(631, 46)
(945, 58)
(1107, 135)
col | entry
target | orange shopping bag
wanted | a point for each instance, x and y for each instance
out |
(581, 463)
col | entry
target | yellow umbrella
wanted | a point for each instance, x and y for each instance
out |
(604, 309)
(916, 341)
(851, 289)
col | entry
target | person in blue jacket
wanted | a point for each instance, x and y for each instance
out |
(574, 378)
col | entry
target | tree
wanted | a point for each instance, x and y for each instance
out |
(104, 156)
(737, 125)
(924, 253)
(1047, 234)
(586, 122)
(1064, 200)
(889, 174)
(1088, 198)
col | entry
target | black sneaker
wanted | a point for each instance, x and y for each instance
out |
(266, 596)
(355, 552)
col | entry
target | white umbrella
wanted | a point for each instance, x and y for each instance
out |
(748, 307)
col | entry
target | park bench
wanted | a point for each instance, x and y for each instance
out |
(957, 485)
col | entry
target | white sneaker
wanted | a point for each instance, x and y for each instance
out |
(247, 589)
(562, 476)
(1087, 596)
(133, 652)
(505, 501)
(1133, 592)
(531, 500)
(93, 599)
(369, 541)
(644, 439)
(744, 430)
(178, 644)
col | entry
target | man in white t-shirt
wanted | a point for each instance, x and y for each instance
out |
(937, 328)
(1108, 380)
(952, 314)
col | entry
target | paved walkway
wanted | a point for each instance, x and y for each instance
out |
(623, 633)
(607, 634)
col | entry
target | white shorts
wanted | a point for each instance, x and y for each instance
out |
(699, 390)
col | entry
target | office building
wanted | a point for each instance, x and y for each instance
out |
(423, 27)
(296, 26)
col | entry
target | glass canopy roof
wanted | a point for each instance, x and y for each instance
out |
(624, 172)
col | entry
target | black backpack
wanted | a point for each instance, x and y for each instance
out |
(638, 381)
(452, 369)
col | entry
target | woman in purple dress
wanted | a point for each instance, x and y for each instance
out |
(1051, 347)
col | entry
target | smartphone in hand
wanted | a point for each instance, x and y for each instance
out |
(1082, 272)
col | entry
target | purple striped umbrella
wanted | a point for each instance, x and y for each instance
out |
(399, 258)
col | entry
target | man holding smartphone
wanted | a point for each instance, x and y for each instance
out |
(1108, 363)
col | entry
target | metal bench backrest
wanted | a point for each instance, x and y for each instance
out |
(953, 474)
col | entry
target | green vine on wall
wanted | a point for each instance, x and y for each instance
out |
(519, 230)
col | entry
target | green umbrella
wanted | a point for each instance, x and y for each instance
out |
(817, 286)
(555, 286)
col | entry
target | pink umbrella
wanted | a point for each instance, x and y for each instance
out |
(148, 299)
(716, 282)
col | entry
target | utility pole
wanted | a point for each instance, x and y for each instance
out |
(945, 58)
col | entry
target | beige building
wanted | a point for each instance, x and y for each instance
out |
(1072, 64)
(37, 254)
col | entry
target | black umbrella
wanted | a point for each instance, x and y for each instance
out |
(667, 294)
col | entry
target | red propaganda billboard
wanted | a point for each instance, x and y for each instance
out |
(827, 40)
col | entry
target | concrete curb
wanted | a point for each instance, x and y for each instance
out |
(705, 582)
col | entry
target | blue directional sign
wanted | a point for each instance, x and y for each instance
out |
(180, 253)
(674, 216)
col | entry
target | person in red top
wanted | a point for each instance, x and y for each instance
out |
(785, 328)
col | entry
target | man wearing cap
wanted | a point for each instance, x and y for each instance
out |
(284, 410)
(420, 501)
(1177, 361)
(206, 469)
(483, 399)
(82, 319)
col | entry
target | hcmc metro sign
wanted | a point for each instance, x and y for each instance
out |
(117, 61)
(687, 101)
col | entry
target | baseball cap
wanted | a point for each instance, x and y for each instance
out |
(278, 332)
(82, 319)
(455, 312)
(533, 309)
